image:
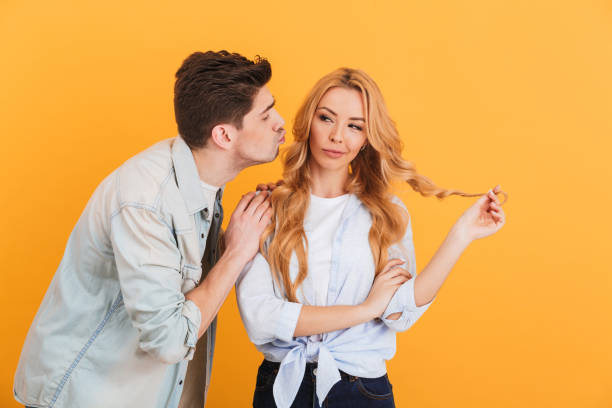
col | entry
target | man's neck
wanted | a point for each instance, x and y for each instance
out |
(215, 166)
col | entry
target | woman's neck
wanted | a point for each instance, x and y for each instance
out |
(327, 183)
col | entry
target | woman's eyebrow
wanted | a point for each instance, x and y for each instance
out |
(335, 114)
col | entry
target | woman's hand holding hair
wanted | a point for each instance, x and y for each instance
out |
(384, 287)
(485, 217)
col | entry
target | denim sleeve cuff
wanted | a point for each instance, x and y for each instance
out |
(194, 319)
(287, 321)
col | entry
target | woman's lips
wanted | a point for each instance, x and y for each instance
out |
(333, 153)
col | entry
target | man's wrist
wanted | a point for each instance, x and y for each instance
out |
(235, 257)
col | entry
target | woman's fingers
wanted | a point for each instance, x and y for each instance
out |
(391, 264)
(400, 272)
(398, 280)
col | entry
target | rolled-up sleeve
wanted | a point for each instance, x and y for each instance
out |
(148, 265)
(404, 300)
(265, 314)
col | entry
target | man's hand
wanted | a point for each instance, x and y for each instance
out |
(269, 186)
(247, 223)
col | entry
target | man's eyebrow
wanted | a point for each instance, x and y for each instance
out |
(269, 107)
(335, 114)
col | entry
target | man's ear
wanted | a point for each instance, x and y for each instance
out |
(222, 135)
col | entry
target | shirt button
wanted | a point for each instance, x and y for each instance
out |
(314, 371)
(202, 235)
(181, 382)
(216, 215)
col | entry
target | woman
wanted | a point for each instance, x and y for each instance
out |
(336, 274)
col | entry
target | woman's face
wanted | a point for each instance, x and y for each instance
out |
(337, 132)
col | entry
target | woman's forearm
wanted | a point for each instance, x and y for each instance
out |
(324, 319)
(431, 278)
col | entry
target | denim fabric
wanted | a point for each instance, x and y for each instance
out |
(349, 392)
(114, 328)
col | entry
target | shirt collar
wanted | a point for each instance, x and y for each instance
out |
(187, 176)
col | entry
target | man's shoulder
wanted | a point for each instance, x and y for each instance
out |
(142, 178)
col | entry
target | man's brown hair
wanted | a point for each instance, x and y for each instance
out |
(213, 88)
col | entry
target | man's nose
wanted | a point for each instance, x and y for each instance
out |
(280, 123)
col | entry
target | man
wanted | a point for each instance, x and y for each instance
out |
(142, 279)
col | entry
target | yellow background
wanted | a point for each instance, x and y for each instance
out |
(484, 92)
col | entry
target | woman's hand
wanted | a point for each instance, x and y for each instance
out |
(384, 287)
(485, 217)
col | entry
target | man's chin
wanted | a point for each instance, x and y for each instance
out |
(273, 157)
(264, 160)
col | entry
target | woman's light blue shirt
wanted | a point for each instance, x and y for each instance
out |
(270, 320)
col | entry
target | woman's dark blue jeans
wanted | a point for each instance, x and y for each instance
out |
(349, 392)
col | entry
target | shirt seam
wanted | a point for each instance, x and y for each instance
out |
(84, 349)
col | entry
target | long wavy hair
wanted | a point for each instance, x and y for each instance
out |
(370, 176)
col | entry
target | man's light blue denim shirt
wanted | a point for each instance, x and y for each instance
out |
(270, 320)
(114, 328)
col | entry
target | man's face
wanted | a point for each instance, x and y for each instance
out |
(262, 131)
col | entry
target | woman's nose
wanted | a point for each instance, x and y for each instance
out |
(336, 135)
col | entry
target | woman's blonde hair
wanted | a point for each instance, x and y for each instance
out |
(370, 175)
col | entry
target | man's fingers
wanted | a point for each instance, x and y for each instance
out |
(269, 186)
(261, 209)
(252, 207)
(244, 202)
(266, 217)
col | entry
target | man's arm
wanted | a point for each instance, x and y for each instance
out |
(247, 223)
(147, 258)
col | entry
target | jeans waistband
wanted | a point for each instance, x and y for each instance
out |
(310, 370)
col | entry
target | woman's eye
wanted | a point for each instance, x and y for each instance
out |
(266, 117)
(359, 128)
(324, 118)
